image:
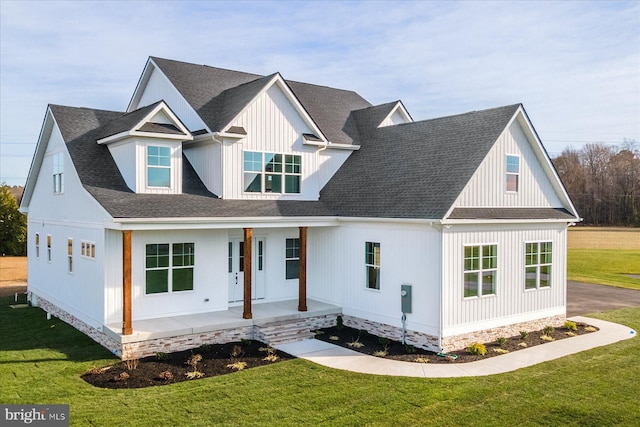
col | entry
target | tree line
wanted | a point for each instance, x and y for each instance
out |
(603, 182)
(13, 224)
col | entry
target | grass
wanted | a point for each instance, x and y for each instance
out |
(604, 256)
(41, 362)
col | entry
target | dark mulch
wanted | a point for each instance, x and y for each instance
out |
(152, 371)
(396, 351)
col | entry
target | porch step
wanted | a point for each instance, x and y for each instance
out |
(284, 332)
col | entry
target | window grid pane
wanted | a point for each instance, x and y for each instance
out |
(480, 277)
(292, 258)
(538, 261)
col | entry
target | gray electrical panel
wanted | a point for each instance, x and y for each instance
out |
(405, 294)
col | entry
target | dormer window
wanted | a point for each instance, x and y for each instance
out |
(158, 166)
(267, 172)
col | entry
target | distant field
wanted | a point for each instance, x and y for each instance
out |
(606, 256)
(604, 238)
(13, 269)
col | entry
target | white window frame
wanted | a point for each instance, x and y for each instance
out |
(49, 248)
(283, 173)
(480, 270)
(538, 264)
(70, 255)
(374, 264)
(88, 249)
(37, 241)
(58, 173)
(171, 267)
(148, 166)
(511, 173)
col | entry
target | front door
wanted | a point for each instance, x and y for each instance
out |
(236, 269)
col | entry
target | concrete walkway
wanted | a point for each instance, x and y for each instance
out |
(337, 357)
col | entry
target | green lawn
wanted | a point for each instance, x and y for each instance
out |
(604, 266)
(41, 362)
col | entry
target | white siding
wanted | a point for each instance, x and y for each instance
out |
(394, 119)
(124, 154)
(410, 254)
(206, 159)
(160, 88)
(329, 161)
(487, 186)
(112, 260)
(272, 125)
(176, 165)
(511, 303)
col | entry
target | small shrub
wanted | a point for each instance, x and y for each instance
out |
(245, 342)
(384, 341)
(236, 351)
(571, 326)
(421, 360)
(334, 338)
(409, 349)
(99, 371)
(548, 330)
(121, 376)
(271, 354)
(590, 329)
(238, 366)
(382, 353)
(570, 334)
(500, 350)
(355, 343)
(477, 348)
(523, 345)
(161, 357)
(501, 341)
(524, 335)
(546, 337)
(339, 323)
(192, 375)
(131, 364)
(193, 361)
(166, 376)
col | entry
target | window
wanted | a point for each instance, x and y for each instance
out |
(537, 265)
(513, 172)
(372, 264)
(49, 247)
(88, 249)
(230, 257)
(166, 264)
(58, 173)
(158, 166)
(272, 173)
(38, 245)
(480, 268)
(292, 258)
(70, 255)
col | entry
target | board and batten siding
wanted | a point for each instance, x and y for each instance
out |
(409, 254)
(159, 88)
(206, 159)
(273, 125)
(487, 187)
(511, 302)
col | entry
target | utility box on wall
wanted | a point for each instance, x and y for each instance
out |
(405, 295)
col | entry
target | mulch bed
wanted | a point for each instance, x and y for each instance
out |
(397, 351)
(169, 368)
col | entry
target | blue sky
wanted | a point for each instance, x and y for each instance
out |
(574, 65)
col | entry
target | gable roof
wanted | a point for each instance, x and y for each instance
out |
(413, 170)
(218, 95)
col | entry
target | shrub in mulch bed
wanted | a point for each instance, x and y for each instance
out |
(209, 360)
(364, 342)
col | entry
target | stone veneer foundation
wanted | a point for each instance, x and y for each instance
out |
(417, 339)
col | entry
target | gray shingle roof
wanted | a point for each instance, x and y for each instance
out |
(125, 122)
(414, 170)
(511, 213)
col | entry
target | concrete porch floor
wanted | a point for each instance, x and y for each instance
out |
(263, 313)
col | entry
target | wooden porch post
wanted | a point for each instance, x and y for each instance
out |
(248, 234)
(302, 276)
(126, 283)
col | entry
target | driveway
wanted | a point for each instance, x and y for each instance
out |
(584, 298)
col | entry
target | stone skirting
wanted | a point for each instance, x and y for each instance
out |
(417, 339)
(462, 341)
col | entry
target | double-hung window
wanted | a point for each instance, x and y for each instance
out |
(513, 173)
(169, 263)
(292, 258)
(38, 245)
(158, 166)
(372, 264)
(272, 172)
(49, 247)
(480, 268)
(58, 173)
(70, 255)
(538, 260)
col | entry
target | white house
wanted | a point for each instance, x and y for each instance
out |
(225, 205)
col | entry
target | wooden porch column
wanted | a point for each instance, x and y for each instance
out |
(126, 283)
(248, 234)
(302, 271)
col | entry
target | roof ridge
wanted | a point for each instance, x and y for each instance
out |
(207, 66)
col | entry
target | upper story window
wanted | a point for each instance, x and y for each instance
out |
(372, 264)
(58, 173)
(70, 255)
(537, 265)
(38, 245)
(88, 249)
(513, 173)
(158, 166)
(272, 173)
(49, 247)
(480, 268)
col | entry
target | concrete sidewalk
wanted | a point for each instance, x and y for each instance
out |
(337, 357)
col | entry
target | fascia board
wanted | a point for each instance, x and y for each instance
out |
(505, 221)
(149, 67)
(46, 130)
